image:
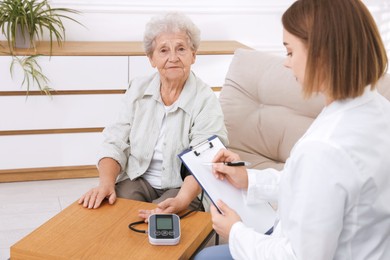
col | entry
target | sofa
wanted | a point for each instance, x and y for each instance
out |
(265, 113)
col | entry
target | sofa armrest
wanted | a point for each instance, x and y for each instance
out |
(265, 113)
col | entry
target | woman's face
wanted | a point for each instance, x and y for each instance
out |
(172, 56)
(296, 55)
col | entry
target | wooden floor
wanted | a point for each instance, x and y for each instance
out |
(26, 205)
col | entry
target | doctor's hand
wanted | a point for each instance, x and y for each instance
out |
(222, 223)
(236, 175)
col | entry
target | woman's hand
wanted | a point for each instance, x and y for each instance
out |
(94, 197)
(222, 223)
(170, 205)
(145, 213)
(236, 175)
(187, 193)
(108, 171)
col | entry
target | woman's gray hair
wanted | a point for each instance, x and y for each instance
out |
(170, 23)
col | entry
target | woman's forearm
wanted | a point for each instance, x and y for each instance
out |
(189, 190)
(109, 170)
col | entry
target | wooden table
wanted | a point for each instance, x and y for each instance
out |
(103, 233)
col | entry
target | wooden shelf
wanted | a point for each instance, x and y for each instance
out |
(133, 48)
(73, 92)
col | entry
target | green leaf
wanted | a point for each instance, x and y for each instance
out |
(32, 73)
(35, 16)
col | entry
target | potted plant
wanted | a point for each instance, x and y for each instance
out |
(27, 19)
(23, 21)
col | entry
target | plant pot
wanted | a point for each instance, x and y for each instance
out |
(22, 38)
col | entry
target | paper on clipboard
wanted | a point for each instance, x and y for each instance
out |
(260, 217)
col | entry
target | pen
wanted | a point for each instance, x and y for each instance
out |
(235, 163)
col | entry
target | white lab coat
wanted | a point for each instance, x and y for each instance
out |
(334, 191)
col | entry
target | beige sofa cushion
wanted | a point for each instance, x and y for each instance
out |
(265, 113)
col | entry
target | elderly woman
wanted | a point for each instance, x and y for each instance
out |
(161, 115)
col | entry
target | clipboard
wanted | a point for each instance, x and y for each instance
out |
(259, 216)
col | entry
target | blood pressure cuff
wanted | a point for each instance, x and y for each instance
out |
(184, 172)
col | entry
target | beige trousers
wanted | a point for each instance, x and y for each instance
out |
(139, 189)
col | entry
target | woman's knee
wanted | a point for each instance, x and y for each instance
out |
(134, 189)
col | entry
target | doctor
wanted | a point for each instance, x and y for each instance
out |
(334, 189)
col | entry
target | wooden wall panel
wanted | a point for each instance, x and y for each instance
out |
(48, 173)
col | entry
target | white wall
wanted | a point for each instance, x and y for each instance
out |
(255, 23)
(252, 22)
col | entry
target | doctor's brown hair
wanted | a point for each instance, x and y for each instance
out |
(345, 49)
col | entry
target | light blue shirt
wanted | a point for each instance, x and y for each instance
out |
(130, 141)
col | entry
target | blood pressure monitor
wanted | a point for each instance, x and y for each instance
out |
(164, 229)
